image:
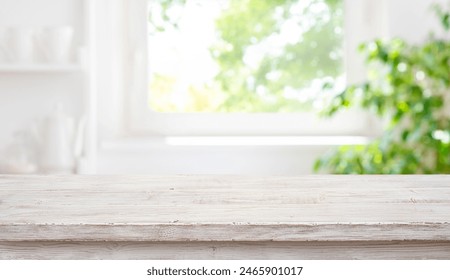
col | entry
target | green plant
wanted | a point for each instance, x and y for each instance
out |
(409, 89)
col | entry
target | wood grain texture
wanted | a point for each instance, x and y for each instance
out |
(224, 208)
(225, 250)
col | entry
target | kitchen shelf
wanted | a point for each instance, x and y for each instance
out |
(40, 68)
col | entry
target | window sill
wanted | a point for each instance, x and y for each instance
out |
(225, 141)
(287, 155)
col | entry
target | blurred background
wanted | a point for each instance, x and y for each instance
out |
(284, 87)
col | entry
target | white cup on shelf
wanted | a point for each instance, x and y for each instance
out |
(20, 42)
(16, 45)
(56, 44)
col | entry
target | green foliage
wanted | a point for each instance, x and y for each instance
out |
(265, 49)
(251, 24)
(408, 88)
(164, 17)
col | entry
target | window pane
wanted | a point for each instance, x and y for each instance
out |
(244, 55)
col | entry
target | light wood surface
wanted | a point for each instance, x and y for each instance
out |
(409, 250)
(224, 208)
(309, 217)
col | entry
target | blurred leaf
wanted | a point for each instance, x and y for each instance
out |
(414, 95)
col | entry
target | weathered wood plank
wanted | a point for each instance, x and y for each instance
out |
(227, 214)
(226, 232)
(225, 250)
(224, 208)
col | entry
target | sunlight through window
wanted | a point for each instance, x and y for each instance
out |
(244, 55)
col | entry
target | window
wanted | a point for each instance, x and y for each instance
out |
(243, 56)
(234, 67)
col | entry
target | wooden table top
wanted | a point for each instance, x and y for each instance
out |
(225, 208)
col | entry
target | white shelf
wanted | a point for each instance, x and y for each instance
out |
(40, 68)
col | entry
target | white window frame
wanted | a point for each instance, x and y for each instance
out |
(364, 20)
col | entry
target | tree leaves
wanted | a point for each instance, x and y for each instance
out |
(255, 31)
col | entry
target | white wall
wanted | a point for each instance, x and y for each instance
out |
(254, 160)
(413, 20)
